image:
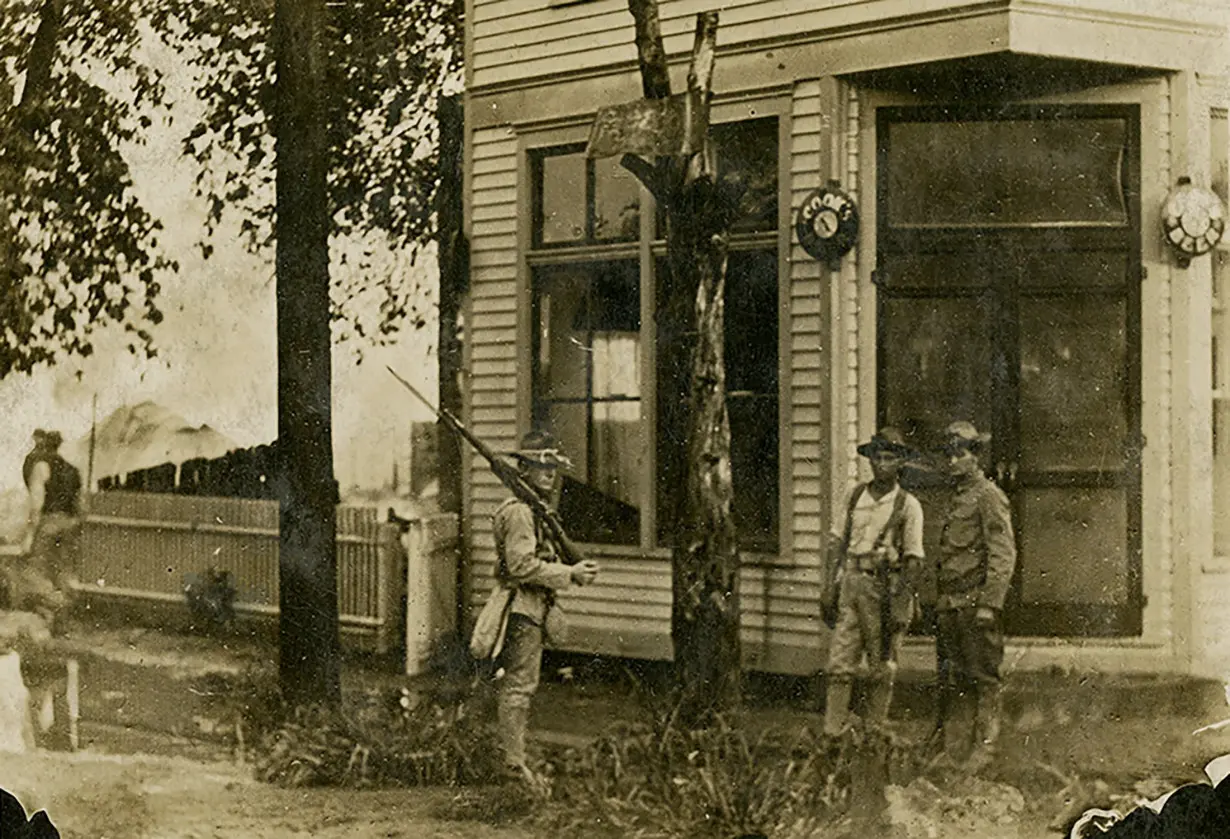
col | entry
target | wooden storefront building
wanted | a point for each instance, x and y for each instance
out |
(1010, 160)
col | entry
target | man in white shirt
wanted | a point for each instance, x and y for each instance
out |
(880, 549)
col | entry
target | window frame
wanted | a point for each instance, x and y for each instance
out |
(538, 140)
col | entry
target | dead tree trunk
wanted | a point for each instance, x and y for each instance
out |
(699, 210)
(310, 665)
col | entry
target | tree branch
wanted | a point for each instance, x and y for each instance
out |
(700, 91)
(655, 73)
(645, 172)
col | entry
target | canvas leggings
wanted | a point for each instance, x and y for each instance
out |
(521, 659)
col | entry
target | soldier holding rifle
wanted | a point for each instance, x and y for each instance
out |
(535, 560)
(529, 561)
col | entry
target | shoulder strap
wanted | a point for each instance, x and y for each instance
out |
(855, 494)
(894, 520)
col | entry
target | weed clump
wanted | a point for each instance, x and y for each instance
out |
(418, 742)
(660, 779)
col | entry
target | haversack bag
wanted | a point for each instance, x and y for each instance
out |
(487, 639)
(555, 625)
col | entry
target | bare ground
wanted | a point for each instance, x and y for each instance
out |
(136, 796)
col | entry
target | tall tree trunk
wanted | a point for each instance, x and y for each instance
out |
(310, 667)
(691, 338)
(453, 262)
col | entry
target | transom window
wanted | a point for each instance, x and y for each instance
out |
(588, 275)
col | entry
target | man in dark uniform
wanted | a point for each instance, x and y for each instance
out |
(529, 563)
(975, 566)
(47, 571)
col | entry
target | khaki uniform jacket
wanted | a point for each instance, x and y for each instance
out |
(529, 561)
(977, 547)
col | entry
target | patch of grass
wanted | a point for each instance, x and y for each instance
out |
(416, 742)
(659, 779)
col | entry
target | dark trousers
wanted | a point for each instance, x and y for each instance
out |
(968, 654)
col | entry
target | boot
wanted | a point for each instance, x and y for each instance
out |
(837, 705)
(954, 732)
(986, 732)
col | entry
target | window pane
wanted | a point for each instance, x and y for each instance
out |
(562, 197)
(751, 323)
(617, 202)
(936, 358)
(1073, 401)
(1006, 172)
(563, 333)
(752, 403)
(748, 150)
(754, 468)
(587, 391)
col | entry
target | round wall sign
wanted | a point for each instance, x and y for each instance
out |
(1193, 219)
(827, 223)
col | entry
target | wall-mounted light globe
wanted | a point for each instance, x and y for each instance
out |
(1193, 220)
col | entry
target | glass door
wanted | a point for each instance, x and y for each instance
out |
(1008, 275)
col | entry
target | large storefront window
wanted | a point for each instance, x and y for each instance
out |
(588, 275)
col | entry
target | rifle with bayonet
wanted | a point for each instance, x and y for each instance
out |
(508, 475)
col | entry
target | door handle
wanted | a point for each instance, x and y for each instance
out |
(1012, 469)
(1001, 469)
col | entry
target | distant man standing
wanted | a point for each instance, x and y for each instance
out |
(529, 563)
(881, 547)
(976, 562)
(52, 525)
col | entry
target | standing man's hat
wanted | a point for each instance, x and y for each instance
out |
(51, 438)
(539, 448)
(887, 439)
(964, 435)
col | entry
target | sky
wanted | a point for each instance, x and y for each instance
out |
(217, 362)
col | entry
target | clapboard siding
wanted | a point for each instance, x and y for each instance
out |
(524, 39)
(491, 394)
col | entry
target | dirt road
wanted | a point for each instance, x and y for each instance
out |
(135, 796)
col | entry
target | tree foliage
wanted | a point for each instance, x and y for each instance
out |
(388, 60)
(78, 252)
